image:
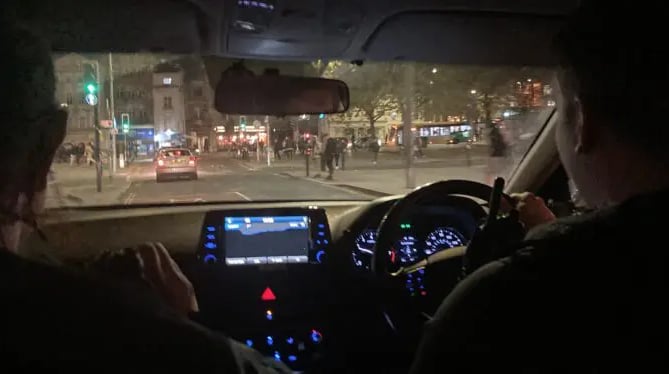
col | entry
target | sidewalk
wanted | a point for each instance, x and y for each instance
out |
(71, 186)
(363, 160)
(393, 182)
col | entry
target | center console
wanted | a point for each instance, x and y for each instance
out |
(268, 288)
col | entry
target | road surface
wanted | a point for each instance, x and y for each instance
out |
(225, 179)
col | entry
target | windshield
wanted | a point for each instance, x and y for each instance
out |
(408, 124)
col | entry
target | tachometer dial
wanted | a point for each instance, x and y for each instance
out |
(443, 238)
(364, 249)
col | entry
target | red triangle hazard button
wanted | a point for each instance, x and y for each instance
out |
(267, 295)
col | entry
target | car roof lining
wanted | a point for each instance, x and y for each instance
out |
(465, 32)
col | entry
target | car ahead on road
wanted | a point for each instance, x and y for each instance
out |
(175, 162)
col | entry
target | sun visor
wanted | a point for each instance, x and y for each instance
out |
(466, 38)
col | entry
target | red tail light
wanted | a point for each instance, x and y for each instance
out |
(161, 162)
(191, 161)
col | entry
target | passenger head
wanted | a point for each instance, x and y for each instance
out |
(613, 100)
(31, 128)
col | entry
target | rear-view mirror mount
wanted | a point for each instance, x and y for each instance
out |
(240, 91)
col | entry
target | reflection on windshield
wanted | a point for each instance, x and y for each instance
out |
(465, 122)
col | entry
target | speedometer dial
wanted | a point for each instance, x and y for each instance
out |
(443, 238)
(364, 249)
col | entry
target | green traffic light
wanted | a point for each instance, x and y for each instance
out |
(91, 88)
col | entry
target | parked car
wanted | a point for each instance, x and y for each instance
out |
(175, 162)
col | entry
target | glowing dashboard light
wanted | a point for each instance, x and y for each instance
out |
(269, 315)
(316, 336)
(267, 295)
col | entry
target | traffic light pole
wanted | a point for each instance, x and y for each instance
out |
(92, 84)
(113, 115)
(98, 163)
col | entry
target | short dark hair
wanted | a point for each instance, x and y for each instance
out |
(612, 59)
(31, 126)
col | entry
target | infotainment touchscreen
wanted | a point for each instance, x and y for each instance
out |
(266, 240)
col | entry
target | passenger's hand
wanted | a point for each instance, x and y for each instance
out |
(165, 276)
(532, 210)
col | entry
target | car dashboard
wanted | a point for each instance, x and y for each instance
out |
(292, 280)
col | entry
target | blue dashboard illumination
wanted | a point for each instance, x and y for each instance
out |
(210, 259)
(210, 245)
(319, 256)
(292, 358)
(211, 237)
(316, 336)
(321, 225)
(211, 228)
(326, 241)
(270, 340)
(277, 355)
(249, 342)
(321, 233)
(290, 340)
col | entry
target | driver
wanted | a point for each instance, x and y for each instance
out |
(585, 293)
(56, 320)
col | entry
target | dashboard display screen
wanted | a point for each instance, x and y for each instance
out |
(266, 240)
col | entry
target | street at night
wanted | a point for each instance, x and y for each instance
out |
(222, 177)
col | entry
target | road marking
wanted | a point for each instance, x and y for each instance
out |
(130, 198)
(243, 196)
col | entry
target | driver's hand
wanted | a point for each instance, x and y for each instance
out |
(532, 210)
(166, 278)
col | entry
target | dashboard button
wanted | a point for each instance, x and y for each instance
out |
(277, 355)
(277, 259)
(320, 256)
(292, 358)
(270, 341)
(297, 259)
(290, 340)
(210, 259)
(235, 261)
(256, 260)
(249, 342)
(316, 336)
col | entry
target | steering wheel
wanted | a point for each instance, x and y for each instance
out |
(390, 228)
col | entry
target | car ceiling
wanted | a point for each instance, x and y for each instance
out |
(514, 32)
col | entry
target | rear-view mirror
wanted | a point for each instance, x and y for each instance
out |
(277, 95)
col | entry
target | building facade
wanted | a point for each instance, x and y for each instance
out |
(69, 69)
(169, 113)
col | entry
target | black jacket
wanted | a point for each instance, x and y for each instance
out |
(586, 293)
(56, 320)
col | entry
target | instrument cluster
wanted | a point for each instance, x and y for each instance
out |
(411, 247)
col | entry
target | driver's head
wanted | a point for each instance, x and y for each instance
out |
(613, 79)
(31, 126)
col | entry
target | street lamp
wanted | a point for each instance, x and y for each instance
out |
(434, 70)
(473, 92)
